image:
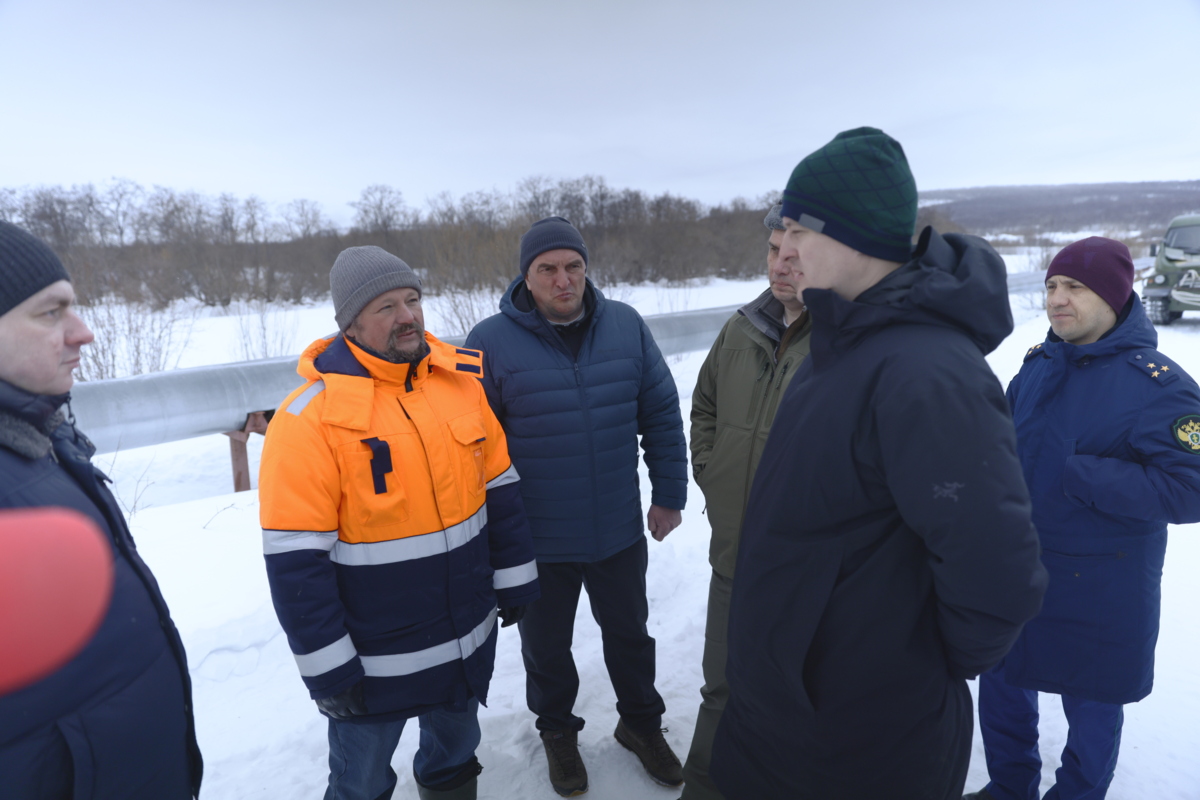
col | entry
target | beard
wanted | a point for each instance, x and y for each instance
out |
(399, 355)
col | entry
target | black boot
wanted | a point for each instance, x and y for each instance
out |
(463, 786)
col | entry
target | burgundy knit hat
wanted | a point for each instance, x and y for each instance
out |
(1102, 265)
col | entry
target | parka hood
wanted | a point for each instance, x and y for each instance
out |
(954, 281)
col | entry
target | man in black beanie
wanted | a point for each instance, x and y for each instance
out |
(116, 721)
(887, 553)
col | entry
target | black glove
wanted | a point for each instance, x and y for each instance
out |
(511, 615)
(345, 704)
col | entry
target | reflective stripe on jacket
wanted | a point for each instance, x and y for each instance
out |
(392, 527)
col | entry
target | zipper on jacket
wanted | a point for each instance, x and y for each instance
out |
(782, 373)
(412, 370)
(762, 372)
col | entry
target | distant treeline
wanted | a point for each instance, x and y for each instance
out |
(1033, 210)
(158, 245)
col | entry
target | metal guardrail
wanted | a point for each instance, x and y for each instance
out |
(184, 403)
(181, 404)
(1026, 282)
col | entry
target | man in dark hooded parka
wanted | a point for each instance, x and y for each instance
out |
(887, 552)
(115, 722)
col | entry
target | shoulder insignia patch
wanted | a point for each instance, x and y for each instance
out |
(1031, 351)
(1187, 433)
(1154, 366)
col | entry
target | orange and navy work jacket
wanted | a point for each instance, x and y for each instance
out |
(393, 527)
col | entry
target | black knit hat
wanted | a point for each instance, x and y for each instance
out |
(551, 233)
(859, 190)
(27, 265)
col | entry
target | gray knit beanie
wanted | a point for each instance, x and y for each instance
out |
(774, 218)
(27, 265)
(360, 274)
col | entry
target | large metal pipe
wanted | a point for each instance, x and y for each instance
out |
(180, 404)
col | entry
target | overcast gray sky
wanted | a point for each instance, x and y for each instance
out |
(295, 99)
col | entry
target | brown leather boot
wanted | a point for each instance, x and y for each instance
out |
(568, 776)
(655, 754)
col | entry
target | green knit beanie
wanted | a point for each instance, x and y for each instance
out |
(857, 189)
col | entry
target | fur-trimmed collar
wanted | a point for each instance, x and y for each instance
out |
(27, 420)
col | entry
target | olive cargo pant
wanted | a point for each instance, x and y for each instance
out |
(714, 693)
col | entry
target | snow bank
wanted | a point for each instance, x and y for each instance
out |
(262, 737)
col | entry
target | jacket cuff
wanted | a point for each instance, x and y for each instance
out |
(336, 680)
(519, 596)
(668, 500)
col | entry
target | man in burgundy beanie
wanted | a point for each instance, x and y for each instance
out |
(1108, 433)
(1102, 265)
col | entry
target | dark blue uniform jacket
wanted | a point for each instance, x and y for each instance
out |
(573, 422)
(119, 715)
(887, 552)
(1103, 431)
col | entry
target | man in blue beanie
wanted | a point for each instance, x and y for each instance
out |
(576, 379)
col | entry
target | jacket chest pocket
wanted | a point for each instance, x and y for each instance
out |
(470, 437)
(373, 493)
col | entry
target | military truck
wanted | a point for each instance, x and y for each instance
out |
(1174, 286)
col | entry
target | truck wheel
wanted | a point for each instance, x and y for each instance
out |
(1157, 309)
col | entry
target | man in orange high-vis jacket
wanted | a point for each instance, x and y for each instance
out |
(394, 535)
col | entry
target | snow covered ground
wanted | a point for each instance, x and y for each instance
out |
(263, 738)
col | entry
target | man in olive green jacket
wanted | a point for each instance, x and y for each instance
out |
(746, 371)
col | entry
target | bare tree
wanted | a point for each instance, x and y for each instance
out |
(10, 206)
(536, 197)
(120, 204)
(303, 219)
(228, 219)
(380, 209)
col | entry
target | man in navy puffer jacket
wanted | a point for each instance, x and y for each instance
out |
(114, 723)
(1108, 432)
(575, 379)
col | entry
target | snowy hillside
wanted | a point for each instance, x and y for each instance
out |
(263, 738)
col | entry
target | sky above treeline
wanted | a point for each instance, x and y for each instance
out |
(290, 99)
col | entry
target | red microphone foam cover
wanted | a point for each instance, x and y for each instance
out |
(56, 580)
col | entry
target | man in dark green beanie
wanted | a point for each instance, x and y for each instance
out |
(887, 553)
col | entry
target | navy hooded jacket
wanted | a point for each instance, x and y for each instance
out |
(887, 551)
(573, 422)
(116, 720)
(1109, 439)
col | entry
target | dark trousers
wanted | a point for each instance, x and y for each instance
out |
(1008, 720)
(714, 694)
(616, 589)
